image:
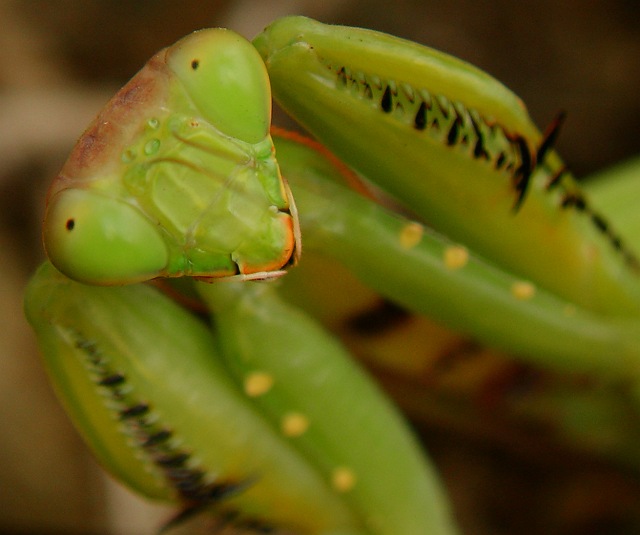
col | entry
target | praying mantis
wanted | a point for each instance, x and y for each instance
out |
(263, 420)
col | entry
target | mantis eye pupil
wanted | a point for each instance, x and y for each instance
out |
(195, 64)
(70, 224)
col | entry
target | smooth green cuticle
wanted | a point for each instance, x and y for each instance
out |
(135, 180)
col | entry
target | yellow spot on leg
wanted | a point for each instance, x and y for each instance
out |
(456, 257)
(523, 290)
(343, 479)
(410, 235)
(294, 424)
(257, 383)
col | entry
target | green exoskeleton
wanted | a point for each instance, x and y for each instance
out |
(189, 183)
(264, 420)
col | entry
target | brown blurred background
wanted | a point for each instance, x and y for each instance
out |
(60, 61)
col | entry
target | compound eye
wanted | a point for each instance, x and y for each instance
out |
(227, 81)
(100, 240)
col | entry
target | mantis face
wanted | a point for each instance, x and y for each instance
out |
(177, 175)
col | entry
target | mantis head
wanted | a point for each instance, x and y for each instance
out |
(177, 175)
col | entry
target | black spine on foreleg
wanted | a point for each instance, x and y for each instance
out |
(523, 173)
(550, 136)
